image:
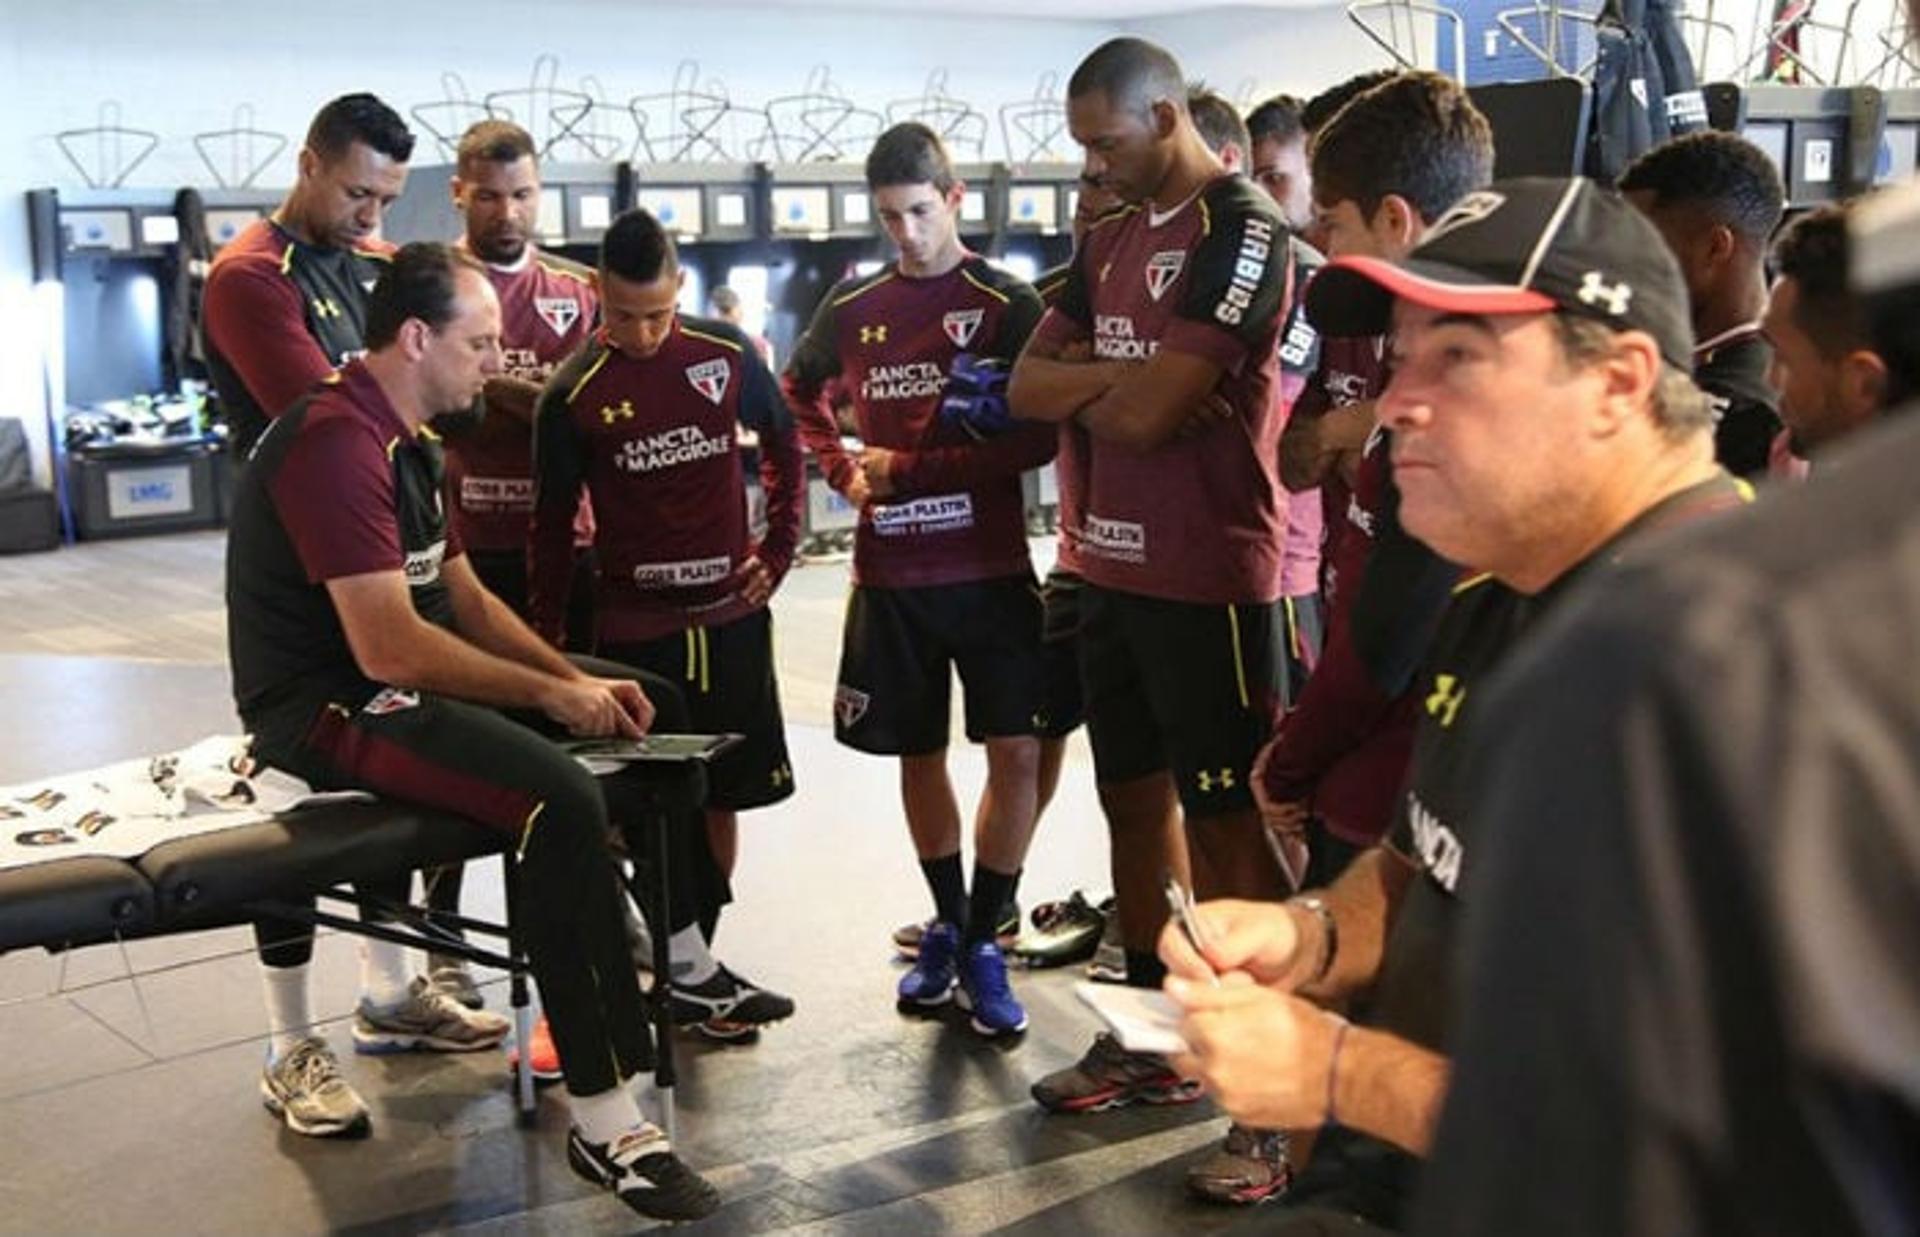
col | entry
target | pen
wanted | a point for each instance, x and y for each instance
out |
(1180, 903)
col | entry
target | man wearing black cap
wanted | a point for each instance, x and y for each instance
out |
(1542, 414)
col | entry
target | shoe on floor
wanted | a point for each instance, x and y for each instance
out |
(1062, 933)
(985, 993)
(543, 1059)
(1252, 1166)
(1111, 1077)
(906, 937)
(935, 969)
(728, 997)
(451, 978)
(1109, 964)
(727, 1031)
(644, 1173)
(425, 1020)
(305, 1089)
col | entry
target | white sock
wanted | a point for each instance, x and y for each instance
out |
(687, 952)
(386, 973)
(289, 1020)
(603, 1118)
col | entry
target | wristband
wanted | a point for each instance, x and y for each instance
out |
(1329, 929)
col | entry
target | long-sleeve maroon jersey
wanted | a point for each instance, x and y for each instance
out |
(547, 311)
(280, 316)
(1197, 519)
(654, 441)
(957, 512)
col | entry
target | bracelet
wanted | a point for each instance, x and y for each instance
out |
(1333, 1064)
(1329, 929)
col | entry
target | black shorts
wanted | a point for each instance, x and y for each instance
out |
(1180, 686)
(1062, 711)
(1304, 633)
(901, 646)
(726, 674)
(504, 572)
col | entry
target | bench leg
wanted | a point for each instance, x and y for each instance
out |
(517, 995)
(663, 1076)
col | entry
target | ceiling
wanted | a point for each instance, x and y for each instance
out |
(1057, 10)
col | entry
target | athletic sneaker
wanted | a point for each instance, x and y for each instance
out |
(728, 997)
(428, 1020)
(1251, 1167)
(727, 1031)
(1111, 1077)
(304, 1089)
(644, 1173)
(543, 1059)
(1109, 964)
(1063, 932)
(450, 977)
(906, 937)
(985, 993)
(935, 970)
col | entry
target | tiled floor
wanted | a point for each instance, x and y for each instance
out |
(131, 1107)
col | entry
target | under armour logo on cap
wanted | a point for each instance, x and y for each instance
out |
(1594, 290)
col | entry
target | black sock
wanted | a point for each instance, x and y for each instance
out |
(949, 885)
(991, 892)
(1145, 970)
(1013, 890)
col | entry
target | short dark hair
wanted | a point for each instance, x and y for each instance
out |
(1721, 173)
(1317, 111)
(910, 153)
(1814, 252)
(420, 282)
(723, 299)
(1132, 73)
(1416, 135)
(494, 141)
(636, 248)
(359, 118)
(1218, 121)
(1277, 120)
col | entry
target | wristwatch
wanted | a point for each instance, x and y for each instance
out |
(1329, 929)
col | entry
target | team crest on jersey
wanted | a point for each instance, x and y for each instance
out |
(710, 378)
(961, 325)
(1162, 269)
(558, 312)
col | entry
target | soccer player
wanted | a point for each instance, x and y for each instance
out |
(942, 578)
(1717, 199)
(285, 302)
(1543, 418)
(547, 309)
(367, 655)
(1179, 299)
(1279, 159)
(646, 419)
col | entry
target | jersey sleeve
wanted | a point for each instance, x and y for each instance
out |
(782, 466)
(1069, 314)
(815, 362)
(1238, 286)
(256, 320)
(559, 470)
(334, 495)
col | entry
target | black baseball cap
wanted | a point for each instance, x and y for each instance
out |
(1529, 245)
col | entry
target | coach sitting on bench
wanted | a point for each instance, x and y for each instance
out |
(367, 654)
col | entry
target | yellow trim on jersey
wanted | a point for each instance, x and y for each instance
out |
(712, 339)
(581, 277)
(375, 254)
(691, 655)
(706, 663)
(993, 292)
(427, 432)
(1472, 582)
(869, 286)
(1239, 659)
(393, 444)
(286, 260)
(1206, 216)
(526, 830)
(1745, 487)
(1113, 216)
(1295, 646)
(588, 376)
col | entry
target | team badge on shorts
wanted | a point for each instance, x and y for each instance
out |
(849, 705)
(1162, 269)
(558, 312)
(391, 700)
(710, 379)
(961, 324)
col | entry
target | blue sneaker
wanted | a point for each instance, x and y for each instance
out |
(931, 980)
(985, 993)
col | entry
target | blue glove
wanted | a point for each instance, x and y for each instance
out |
(976, 397)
